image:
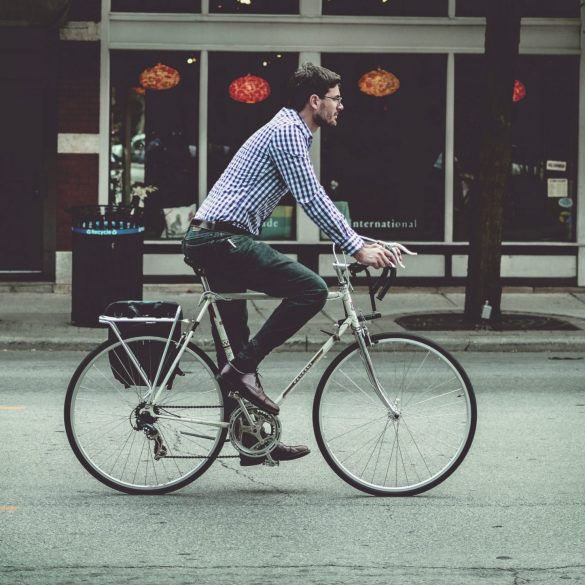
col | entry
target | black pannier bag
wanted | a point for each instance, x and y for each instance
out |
(148, 355)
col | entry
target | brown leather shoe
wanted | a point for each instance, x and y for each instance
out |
(248, 386)
(281, 453)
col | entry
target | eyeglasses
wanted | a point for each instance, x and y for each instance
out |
(336, 98)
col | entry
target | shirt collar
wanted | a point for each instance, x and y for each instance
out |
(294, 115)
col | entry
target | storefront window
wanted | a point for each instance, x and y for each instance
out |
(385, 156)
(154, 130)
(531, 8)
(254, 6)
(245, 91)
(386, 7)
(540, 201)
(162, 6)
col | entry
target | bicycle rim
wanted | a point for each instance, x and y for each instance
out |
(108, 435)
(382, 455)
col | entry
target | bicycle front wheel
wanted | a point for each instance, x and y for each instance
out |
(129, 449)
(381, 454)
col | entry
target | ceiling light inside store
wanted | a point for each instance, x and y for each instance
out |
(248, 2)
(249, 89)
(160, 77)
(379, 83)
(519, 91)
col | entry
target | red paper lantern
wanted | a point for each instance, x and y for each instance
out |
(519, 91)
(379, 83)
(159, 77)
(249, 89)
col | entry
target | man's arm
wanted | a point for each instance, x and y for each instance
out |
(291, 157)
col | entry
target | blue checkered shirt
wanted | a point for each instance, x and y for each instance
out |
(273, 161)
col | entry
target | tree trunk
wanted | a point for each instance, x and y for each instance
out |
(502, 38)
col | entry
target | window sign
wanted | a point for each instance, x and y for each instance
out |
(384, 158)
(153, 137)
(558, 187)
(544, 147)
(556, 165)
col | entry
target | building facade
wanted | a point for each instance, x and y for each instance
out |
(154, 97)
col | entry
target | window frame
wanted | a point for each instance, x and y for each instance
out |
(445, 35)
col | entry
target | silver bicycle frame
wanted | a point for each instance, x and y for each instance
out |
(208, 301)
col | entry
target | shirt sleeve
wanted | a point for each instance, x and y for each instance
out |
(289, 151)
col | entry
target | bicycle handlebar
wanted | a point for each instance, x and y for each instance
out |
(384, 281)
(382, 284)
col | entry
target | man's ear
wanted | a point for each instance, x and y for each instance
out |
(314, 101)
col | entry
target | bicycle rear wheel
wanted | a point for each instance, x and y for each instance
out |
(121, 447)
(386, 456)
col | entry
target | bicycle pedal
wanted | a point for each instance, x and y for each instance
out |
(269, 462)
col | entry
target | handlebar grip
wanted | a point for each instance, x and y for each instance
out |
(381, 281)
(390, 278)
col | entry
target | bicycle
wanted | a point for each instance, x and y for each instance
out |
(394, 414)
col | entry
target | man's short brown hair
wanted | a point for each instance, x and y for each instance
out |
(307, 80)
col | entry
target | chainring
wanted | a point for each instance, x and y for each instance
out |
(257, 439)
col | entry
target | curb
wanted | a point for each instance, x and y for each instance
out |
(447, 340)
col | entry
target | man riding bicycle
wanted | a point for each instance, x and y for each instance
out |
(222, 236)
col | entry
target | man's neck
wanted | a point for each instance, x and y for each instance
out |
(307, 116)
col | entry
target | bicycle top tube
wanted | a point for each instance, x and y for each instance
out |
(257, 296)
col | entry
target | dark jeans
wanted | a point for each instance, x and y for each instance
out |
(236, 263)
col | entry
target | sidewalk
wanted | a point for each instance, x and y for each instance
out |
(33, 317)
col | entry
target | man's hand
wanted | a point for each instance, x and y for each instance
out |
(379, 256)
(376, 256)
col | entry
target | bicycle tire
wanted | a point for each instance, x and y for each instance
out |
(376, 453)
(110, 441)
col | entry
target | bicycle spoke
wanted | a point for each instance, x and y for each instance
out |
(107, 424)
(429, 436)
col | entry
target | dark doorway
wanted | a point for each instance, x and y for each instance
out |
(25, 66)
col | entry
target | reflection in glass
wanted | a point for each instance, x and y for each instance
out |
(231, 121)
(160, 6)
(386, 7)
(531, 8)
(384, 157)
(153, 162)
(541, 194)
(254, 6)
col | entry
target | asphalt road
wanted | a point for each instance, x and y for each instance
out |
(513, 513)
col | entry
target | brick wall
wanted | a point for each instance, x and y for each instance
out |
(78, 90)
(78, 87)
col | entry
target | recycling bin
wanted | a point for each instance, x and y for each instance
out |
(108, 243)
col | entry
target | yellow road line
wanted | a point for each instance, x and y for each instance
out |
(11, 407)
(7, 508)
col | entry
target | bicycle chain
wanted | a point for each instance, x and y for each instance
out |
(197, 456)
(164, 406)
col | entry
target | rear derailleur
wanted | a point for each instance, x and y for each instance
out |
(142, 420)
